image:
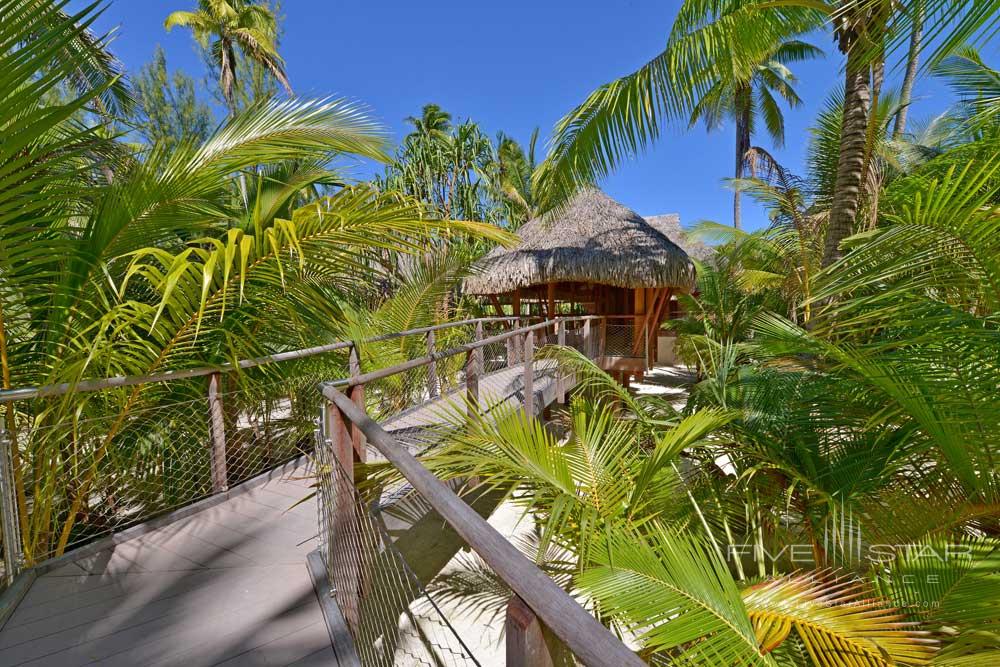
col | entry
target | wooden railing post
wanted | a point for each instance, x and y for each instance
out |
(345, 548)
(602, 338)
(513, 348)
(357, 396)
(217, 426)
(588, 346)
(561, 340)
(529, 373)
(527, 642)
(9, 527)
(433, 388)
(473, 370)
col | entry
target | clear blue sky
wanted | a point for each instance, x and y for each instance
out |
(510, 65)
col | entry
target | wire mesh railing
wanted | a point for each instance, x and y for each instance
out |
(84, 466)
(392, 618)
(624, 338)
(92, 459)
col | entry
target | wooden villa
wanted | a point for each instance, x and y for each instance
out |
(593, 256)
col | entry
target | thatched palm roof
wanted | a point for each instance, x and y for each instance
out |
(592, 239)
(669, 224)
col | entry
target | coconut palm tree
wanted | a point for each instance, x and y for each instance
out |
(515, 168)
(433, 122)
(222, 27)
(747, 100)
(713, 39)
(912, 63)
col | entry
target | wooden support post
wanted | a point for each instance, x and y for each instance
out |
(217, 426)
(473, 370)
(497, 306)
(433, 388)
(588, 346)
(514, 347)
(602, 338)
(525, 637)
(550, 298)
(357, 395)
(529, 373)
(345, 546)
(560, 384)
(9, 527)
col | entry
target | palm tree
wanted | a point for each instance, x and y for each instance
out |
(628, 525)
(515, 170)
(434, 122)
(160, 267)
(745, 99)
(977, 85)
(712, 39)
(912, 63)
(223, 26)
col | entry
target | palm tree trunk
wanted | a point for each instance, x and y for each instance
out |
(742, 146)
(912, 61)
(851, 160)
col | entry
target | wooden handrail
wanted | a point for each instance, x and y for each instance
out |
(9, 395)
(590, 641)
(427, 359)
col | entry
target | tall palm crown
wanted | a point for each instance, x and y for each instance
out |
(744, 99)
(433, 122)
(223, 26)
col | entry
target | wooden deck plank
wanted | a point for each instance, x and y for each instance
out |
(229, 583)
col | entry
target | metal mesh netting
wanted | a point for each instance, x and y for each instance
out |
(624, 340)
(90, 464)
(392, 618)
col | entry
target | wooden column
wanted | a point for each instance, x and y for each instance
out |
(357, 396)
(345, 544)
(217, 426)
(638, 308)
(550, 306)
(13, 557)
(529, 373)
(433, 388)
(526, 644)
(473, 370)
(602, 338)
(561, 340)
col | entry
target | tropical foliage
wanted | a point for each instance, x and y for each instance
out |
(118, 260)
(168, 108)
(237, 35)
(729, 41)
(828, 493)
(459, 172)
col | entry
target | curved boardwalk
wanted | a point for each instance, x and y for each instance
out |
(228, 585)
(225, 586)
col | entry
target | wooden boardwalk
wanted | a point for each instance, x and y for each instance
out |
(228, 585)
(225, 586)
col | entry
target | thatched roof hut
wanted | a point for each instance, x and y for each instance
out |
(592, 256)
(592, 239)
